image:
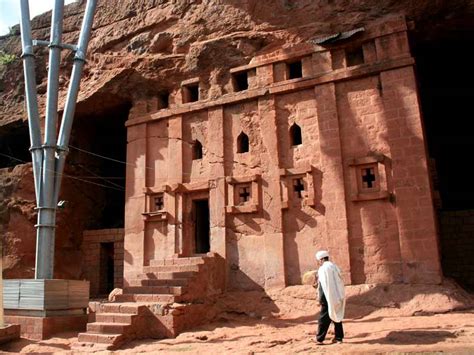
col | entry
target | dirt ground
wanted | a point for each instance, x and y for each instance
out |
(400, 319)
(451, 333)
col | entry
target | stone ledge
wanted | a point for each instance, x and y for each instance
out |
(379, 195)
(252, 208)
(155, 216)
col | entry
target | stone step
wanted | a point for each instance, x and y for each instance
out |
(171, 268)
(166, 275)
(127, 307)
(147, 298)
(111, 339)
(122, 318)
(163, 282)
(194, 260)
(162, 290)
(107, 328)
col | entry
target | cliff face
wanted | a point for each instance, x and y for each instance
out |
(141, 47)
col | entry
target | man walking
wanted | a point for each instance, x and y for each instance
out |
(331, 296)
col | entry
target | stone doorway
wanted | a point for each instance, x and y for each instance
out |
(106, 268)
(201, 226)
(103, 260)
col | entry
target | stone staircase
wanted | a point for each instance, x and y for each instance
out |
(168, 297)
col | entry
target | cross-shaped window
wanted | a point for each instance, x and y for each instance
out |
(159, 203)
(244, 194)
(298, 188)
(368, 178)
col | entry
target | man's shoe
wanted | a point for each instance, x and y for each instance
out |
(318, 342)
(338, 341)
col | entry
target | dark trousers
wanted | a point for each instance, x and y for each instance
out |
(325, 322)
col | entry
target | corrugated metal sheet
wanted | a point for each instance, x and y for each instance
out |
(45, 294)
(335, 37)
(324, 39)
(349, 34)
(11, 294)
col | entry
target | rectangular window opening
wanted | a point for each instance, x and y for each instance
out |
(354, 56)
(163, 100)
(295, 69)
(191, 93)
(240, 81)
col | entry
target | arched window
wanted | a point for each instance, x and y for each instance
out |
(295, 135)
(242, 143)
(197, 150)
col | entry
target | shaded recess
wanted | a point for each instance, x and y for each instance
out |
(242, 143)
(106, 268)
(197, 150)
(201, 227)
(98, 156)
(445, 76)
(14, 144)
(295, 135)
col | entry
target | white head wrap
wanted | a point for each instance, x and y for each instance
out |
(322, 254)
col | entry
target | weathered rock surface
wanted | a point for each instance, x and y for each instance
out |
(140, 47)
(18, 217)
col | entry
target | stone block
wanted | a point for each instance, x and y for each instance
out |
(9, 332)
(39, 328)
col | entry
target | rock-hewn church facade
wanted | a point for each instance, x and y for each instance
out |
(318, 145)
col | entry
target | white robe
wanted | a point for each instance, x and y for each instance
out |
(329, 275)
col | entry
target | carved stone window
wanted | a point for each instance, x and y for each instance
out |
(190, 90)
(197, 150)
(369, 178)
(298, 187)
(243, 196)
(158, 202)
(240, 81)
(354, 56)
(242, 143)
(244, 193)
(296, 137)
(155, 205)
(163, 100)
(294, 69)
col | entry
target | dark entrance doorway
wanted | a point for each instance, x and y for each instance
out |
(445, 75)
(201, 226)
(106, 268)
(98, 158)
(14, 144)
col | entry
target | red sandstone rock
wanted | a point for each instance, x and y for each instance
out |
(351, 118)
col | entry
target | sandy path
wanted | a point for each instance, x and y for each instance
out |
(451, 332)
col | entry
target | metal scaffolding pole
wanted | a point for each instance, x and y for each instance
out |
(49, 158)
(47, 207)
(70, 106)
(31, 96)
